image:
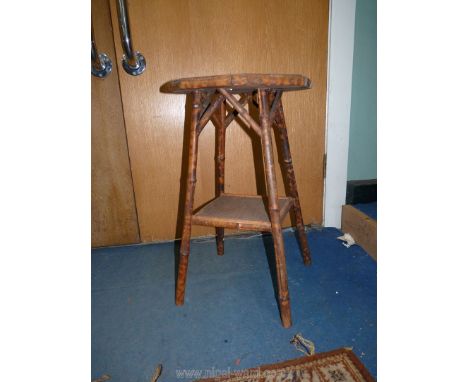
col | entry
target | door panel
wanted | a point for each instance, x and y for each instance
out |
(114, 219)
(182, 38)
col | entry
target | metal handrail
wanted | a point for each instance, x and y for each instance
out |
(101, 64)
(134, 63)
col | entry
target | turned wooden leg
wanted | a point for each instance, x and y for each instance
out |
(273, 206)
(188, 206)
(220, 156)
(283, 145)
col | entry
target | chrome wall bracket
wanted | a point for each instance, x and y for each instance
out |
(101, 67)
(138, 68)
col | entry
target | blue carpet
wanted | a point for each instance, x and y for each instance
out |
(230, 319)
(370, 209)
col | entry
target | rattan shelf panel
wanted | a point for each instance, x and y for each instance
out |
(240, 212)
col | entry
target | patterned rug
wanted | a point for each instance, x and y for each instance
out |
(335, 366)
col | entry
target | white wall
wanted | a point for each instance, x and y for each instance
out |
(340, 74)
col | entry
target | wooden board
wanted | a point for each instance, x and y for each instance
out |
(114, 219)
(185, 38)
(239, 212)
(361, 227)
(241, 82)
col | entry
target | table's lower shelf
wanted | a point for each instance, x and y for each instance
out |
(239, 212)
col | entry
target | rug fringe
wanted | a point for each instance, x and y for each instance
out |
(302, 343)
(102, 378)
(156, 373)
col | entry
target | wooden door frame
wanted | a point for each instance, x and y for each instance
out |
(340, 75)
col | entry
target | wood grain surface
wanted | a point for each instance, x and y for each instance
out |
(114, 219)
(242, 212)
(362, 228)
(183, 38)
(238, 82)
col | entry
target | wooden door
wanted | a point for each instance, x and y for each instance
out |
(114, 219)
(182, 38)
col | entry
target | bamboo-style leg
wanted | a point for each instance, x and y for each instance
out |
(273, 206)
(220, 156)
(283, 144)
(188, 206)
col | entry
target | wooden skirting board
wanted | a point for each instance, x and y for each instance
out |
(361, 227)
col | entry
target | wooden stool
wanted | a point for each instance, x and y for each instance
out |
(240, 211)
